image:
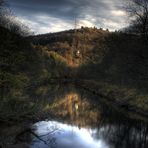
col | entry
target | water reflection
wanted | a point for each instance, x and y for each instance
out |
(58, 135)
(66, 136)
(86, 122)
(76, 109)
(126, 136)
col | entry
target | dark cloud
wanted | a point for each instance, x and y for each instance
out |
(94, 11)
(56, 8)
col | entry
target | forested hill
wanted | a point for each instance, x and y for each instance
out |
(114, 56)
(86, 53)
(70, 43)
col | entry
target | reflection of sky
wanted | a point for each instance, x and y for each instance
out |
(66, 136)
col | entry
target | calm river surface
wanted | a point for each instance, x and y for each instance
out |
(78, 119)
(83, 120)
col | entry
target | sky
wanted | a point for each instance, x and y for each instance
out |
(45, 16)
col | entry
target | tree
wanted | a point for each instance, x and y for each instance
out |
(9, 21)
(4, 13)
(138, 10)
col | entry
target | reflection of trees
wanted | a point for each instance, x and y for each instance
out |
(84, 110)
(48, 138)
(125, 135)
(76, 109)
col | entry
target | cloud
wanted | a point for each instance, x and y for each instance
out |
(45, 24)
(57, 15)
(118, 13)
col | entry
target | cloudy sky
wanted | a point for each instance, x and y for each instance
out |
(43, 16)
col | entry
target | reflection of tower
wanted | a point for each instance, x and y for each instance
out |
(76, 106)
(73, 106)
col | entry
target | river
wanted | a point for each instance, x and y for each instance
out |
(79, 119)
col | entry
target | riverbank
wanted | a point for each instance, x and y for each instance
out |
(127, 99)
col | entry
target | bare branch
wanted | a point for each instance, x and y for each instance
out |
(138, 9)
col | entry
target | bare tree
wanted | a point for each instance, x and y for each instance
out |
(9, 21)
(138, 10)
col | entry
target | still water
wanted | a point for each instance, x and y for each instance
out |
(60, 135)
(82, 120)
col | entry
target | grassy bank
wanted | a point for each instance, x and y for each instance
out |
(125, 98)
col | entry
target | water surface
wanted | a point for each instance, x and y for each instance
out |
(83, 120)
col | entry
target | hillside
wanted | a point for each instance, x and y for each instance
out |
(116, 61)
(23, 68)
(117, 56)
(18, 60)
(88, 41)
(19, 67)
